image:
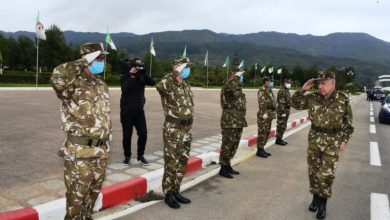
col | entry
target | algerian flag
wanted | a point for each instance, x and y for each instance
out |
(206, 59)
(255, 66)
(241, 65)
(152, 51)
(40, 29)
(185, 51)
(109, 41)
(263, 69)
(226, 62)
(271, 70)
(279, 70)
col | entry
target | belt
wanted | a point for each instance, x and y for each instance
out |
(325, 130)
(233, 111)
(84, 140)
(177, 121)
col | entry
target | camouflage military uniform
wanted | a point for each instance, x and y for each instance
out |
(331, 120)
(178, 105)
(265, 115)
(283, 111)
(233, 105)
(85, 116)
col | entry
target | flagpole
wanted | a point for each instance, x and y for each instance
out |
(36, 76)
(207, 73)
(151, 55)
(105, 60)
(254, 81)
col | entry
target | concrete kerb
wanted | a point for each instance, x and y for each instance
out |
(125, 191)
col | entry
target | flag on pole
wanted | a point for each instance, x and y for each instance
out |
(263, 69)
(206, 59)
(185, 51)
(109, 41)
(152, 51)
(241, 65)
(271, 70)
(280, 70)
(40, 29)
(255, 66)
(226, 62)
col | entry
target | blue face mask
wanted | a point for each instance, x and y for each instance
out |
(96, 67)
(270, 85)
(185, 73)
(241, 79)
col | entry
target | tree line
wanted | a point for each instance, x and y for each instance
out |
(18, 56)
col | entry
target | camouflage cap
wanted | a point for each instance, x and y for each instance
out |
(324, 75)
(181, 60)
(92, 47)
(266, 78)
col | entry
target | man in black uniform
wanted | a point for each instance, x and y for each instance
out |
(133, 81)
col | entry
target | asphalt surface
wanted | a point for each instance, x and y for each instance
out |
(30, 134)
(278, 188)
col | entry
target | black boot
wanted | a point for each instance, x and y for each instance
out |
(181, 198)
(171, 201)
(322, 208)
(280, 141)
(231, 171)
(261, 153)
(268, 154)
(224, 172)
(314, 204)
(126, 160)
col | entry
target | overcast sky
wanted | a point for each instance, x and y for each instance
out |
(317, 17)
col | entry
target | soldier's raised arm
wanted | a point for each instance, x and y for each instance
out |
(299, 100)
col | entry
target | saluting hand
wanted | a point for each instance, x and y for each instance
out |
(308, 84)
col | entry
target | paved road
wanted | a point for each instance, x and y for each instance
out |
(277, 188)
(30, 131)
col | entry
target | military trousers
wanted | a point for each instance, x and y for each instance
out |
(322, 163)
(263, 129)
(177, 145)
(281, 123)
(230, 139)
(83, 180)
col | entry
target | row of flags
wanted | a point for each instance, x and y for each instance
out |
(40, 34)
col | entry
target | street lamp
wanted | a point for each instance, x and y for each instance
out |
(350, 75)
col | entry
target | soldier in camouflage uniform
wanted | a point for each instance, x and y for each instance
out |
(265, 115)
(283, 101)
(331, 117)
(233, 121)
(177, 102)
(85, 116)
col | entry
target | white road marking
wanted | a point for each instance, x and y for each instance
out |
(371, 113)
(375, 159)
(380, 206)
(372, 119)
(372, 129)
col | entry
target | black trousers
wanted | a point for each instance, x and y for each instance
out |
(129, 120)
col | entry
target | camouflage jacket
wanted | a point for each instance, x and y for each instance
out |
(176, 98)
(233, 104)
(283, 100)
(85, 107)
(333, 112)
(267, 105)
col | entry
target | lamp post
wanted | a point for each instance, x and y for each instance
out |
(350, 75)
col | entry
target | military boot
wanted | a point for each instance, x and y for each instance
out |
(126, 160)
(180, 198)
(314, 204)
(280, 141)
(268, 154)
(224, 172)
(321, 214)
(261, 153)
(171, 201)
(231, 171)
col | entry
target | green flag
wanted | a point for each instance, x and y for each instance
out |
(226, 62)
(109, 41)
(185, 51)
(206, 59)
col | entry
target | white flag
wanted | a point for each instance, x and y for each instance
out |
(40, 29)
(263, 69)
(279, 70)
(152, 51)
(241, 65)
(271, 70)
